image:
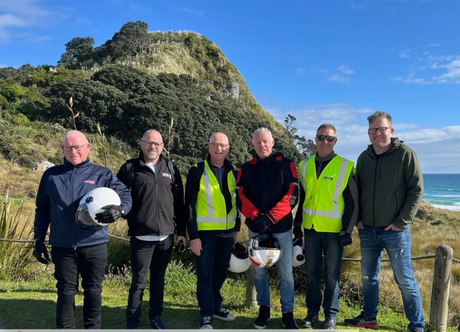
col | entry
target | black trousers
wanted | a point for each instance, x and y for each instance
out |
(89, 262)
(145, 256)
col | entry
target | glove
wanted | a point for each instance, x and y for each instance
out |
(39, 249)
(345, 240)
(263, 224)
(111, 214)
(298, 232)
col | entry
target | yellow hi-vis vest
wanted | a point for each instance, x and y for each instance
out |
(324, 205)
(211, 211)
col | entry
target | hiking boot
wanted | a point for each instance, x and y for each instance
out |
(329, 324)
(264, 316)
(223, 314)
(362, 321)
(157, 323)
(206, 323)
(289, 321)
(308, 320)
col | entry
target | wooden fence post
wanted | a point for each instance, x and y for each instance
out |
(251, 295)
(441, 287)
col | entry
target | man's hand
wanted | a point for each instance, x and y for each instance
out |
(195, 246)
(235, 236)
(345, 240)
(359, 225)
(111, 214)
(298, 232)
(393, 227)
(39, 250)
(263, 224)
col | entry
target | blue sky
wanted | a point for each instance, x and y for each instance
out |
(331, 61)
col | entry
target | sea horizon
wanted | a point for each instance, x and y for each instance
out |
(442, 190)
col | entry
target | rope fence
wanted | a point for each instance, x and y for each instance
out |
(456, 260)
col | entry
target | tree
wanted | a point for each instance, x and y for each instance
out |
(78, 49)
(306, 147)
(132, 39)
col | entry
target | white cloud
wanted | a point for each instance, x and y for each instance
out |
(452, 75)
(345, 70)
(434, 45)
(429, 143)
(338, 78)
(337, 75)
(187, 10)
(19, 15)
(405, 54)
(300, 71)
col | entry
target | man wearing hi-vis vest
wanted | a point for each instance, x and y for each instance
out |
(213, 225)
(328, 210)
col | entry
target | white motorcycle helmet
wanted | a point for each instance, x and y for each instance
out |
(239, 260)
(264, 253)
(298, 257)
(92, 203)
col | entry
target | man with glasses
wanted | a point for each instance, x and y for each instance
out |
(213, 225)
(267, 193)
(390, 185)
(76, 250)
(328, 213)
(157, 192)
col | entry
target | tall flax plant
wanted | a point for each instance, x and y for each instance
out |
(13, 255)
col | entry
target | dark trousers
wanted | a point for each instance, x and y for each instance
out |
(89, 262)
(145, 255)
(211, 270)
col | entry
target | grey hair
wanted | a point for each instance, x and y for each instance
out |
(258, 130)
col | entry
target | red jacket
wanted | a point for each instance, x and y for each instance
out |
(268, 186)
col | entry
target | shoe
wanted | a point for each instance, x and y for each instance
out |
(157, 323)
(289, 321)
(329, 324)
(264, 316)
(223, 314)
(362, 321)
(308, 320)
(206, 323)
(416, 329)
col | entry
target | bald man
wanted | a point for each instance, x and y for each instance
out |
(76, 250)
(158, 204)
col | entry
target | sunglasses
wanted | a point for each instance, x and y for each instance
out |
(325, 137)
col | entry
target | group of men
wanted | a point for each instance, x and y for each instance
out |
(381, 198)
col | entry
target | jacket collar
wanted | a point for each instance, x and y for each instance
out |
(69, 165)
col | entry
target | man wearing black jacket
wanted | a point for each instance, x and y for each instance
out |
(267, 193)
(213, 225)
(157, 212)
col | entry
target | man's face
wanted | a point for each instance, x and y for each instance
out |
(263, 144)
(152, 146)
(381, 140)
(324, 147)
(76, 148)
(218, 148)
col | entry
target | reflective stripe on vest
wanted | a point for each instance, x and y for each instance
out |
(210, 204)
(324, 205)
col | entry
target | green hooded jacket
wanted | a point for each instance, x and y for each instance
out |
(390, 187)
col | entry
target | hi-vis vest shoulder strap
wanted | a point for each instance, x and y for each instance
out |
(210, 204)
(324, 204)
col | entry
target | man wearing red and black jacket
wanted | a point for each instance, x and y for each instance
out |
(267, 192)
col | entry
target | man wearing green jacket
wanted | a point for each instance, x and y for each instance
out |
(390, 185)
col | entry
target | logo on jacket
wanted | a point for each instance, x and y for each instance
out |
(89, 181)
(166, 175)
(326, 177)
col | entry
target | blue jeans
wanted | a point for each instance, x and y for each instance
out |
(69, 263)
(315, 244)
(145, 256)
(211, 271)
(398, 246)
(284, 268)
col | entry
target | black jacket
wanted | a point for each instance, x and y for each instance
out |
(158, 204)
(268, 186)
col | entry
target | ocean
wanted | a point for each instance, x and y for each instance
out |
(442, 190)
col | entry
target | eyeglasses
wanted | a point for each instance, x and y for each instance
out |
(76, 147)
(379, 130)
(150, 143)
(221, 145)
(325, 137)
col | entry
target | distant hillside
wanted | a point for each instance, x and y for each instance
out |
(180, 83)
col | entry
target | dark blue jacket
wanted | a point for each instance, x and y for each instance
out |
(59, 194)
